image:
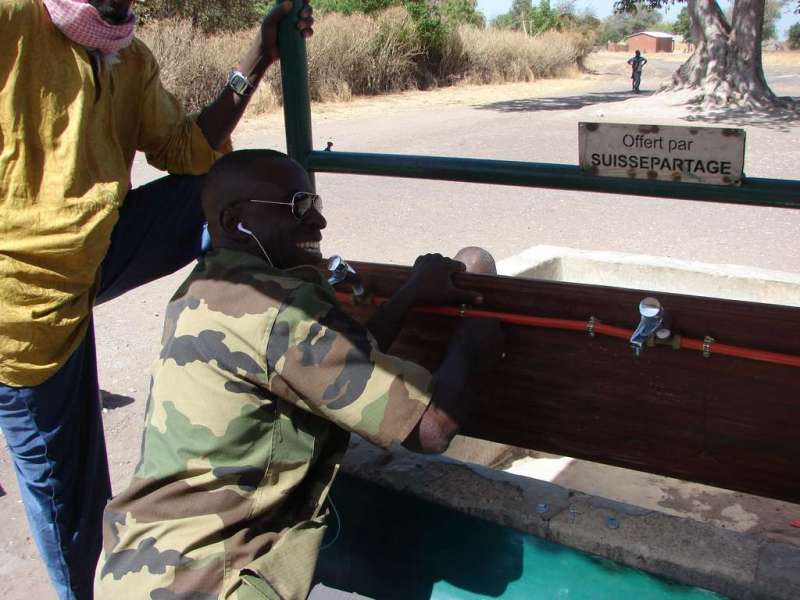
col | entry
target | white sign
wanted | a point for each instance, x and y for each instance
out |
(693, 154)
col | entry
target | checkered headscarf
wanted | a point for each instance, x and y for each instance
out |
(80, 22)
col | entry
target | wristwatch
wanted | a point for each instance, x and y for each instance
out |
(240, 84)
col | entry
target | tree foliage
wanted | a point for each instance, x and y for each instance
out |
(682, 25)
(208, 15)
(794, 36)
(772, 14)
(349, 7)
(726, 65)
(535, 19)
(622, 24)
(461, 12)
(452, 11)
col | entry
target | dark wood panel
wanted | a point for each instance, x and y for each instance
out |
(728, 422)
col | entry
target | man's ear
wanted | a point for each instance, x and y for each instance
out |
(229, 218)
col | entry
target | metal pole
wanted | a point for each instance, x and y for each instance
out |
(780, 193)
(294, 81)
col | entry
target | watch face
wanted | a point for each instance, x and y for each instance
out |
(239, 84)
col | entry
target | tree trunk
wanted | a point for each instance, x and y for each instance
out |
(726, 63)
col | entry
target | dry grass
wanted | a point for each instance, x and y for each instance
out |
(359, 56)
(193, 66)
(782, 57)
(362, 55)
(498, 56)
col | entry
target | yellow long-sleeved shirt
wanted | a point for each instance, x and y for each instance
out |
(67, 144)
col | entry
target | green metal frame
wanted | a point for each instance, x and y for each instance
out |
(781, 193)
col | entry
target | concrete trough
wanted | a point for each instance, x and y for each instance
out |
(737, 565)
(656, 273)
(738, 545)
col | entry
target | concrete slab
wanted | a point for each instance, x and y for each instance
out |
(657, 273)
(733, 511)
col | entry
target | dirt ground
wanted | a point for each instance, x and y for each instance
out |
(494, 122)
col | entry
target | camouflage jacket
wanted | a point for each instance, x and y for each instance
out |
(259, 380)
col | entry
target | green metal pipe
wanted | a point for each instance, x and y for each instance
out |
(779, 193)
(294, 79)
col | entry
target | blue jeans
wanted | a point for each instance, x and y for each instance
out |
(54, 430)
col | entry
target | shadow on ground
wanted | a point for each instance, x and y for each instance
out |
(562, 102)
(2, 491)
(114, 401)
(778, 118)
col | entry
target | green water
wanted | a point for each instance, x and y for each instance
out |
(564, 574)
(393, 546)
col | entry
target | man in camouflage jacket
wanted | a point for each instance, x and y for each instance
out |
(260, 380)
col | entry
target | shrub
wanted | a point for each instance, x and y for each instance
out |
(362, 55)
(501, 55)
(794, 36)
(206, 15)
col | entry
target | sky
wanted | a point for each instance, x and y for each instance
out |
(603, 8)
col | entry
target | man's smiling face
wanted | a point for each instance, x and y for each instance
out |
(247, 194)
(289, 241)
(255, 190)
(115, 12)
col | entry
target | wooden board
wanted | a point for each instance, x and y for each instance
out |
(728, 422)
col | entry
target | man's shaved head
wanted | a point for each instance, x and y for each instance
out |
(241, 175)
(246, 174)
(477, 260)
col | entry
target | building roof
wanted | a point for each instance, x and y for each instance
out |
(655, 34)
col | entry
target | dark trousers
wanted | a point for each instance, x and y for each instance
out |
(54, 431)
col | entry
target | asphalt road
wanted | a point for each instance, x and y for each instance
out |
(393, 220)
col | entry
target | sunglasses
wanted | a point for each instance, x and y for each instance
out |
(301, 203)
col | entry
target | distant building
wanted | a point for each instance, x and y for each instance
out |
(651, 41)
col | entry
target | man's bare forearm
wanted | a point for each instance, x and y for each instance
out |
(218, 120)
(453, 400)
(388, 320)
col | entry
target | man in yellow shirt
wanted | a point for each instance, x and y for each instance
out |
(79, 95)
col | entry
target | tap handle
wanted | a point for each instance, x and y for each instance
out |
(341, 272)
(650, 308)
(652, 316)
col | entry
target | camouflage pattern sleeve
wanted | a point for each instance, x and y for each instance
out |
(323, 361)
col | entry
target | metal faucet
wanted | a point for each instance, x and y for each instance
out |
(341, 272)
(652, 318)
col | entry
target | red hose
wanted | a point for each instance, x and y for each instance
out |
(598, 328)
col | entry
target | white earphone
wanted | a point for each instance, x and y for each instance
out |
(240, 226)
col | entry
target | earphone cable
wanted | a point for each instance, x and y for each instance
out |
(264, 252)
(338, 524)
